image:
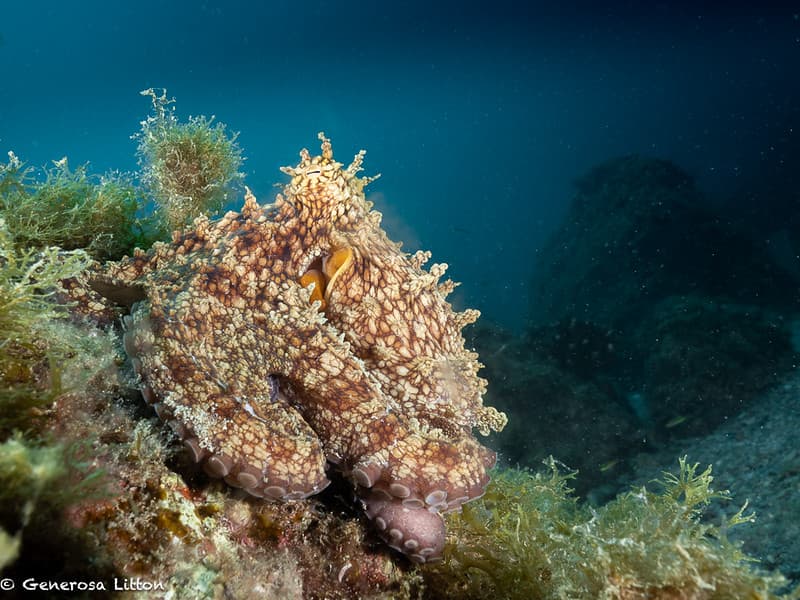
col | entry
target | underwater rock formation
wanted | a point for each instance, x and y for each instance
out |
(700, 312)
(558, 382)
(702, 360)
(285, 337)
(636, 232)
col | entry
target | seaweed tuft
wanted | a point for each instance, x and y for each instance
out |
(28, 347)
(190, 168)
(9, 548)
(528, 537)
(71, 209)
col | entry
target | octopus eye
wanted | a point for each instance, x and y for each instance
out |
(316, 277)
(336, 264)
(324, 272)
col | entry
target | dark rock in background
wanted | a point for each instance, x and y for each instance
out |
(704, 360)
(652, 319)
(554, 406)
(636, 232)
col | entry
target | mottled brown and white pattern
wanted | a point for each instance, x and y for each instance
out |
(284, 338)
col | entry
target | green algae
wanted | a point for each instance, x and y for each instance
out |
(54, 222)
(28, 471)
(9, 548)
(189, 168)
(72, 209)
(528, 537)
(34, 345)
(43, 356)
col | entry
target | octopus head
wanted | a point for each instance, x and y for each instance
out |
(326, 192)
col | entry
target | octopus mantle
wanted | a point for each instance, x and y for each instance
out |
(285, 337)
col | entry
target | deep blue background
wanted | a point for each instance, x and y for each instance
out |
(478, 115)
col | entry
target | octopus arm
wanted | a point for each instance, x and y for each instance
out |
(230, 418)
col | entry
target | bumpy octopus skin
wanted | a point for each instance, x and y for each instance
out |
(285, 337)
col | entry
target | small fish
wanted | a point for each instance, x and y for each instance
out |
(675, 421)
(499, 350)
(609, 465)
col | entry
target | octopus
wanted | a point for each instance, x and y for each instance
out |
(287, 339)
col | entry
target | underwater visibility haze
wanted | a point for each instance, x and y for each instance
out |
(221, 377)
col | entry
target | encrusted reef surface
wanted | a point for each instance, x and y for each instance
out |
(284, 338)
(320, 377)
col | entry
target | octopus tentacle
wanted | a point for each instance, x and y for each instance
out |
(258, 443)
(432, 471)
(416, 532)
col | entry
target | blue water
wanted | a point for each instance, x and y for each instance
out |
(479, 116)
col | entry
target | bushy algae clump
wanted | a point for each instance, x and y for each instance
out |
(42, 358)
(189, 168)
(71, 209)
(53, 222)
(35, 347)
(529, 538)
(28, 471)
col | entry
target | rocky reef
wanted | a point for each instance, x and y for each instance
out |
(652, 319)
(637, 231)
(95, 488)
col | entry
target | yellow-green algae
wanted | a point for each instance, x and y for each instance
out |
(28, 472)
(190, 168)
(71, 209)
(53, 223)
(9, 548)
(43, 356)
(187, 169)
(528, 537)
(34, 344)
